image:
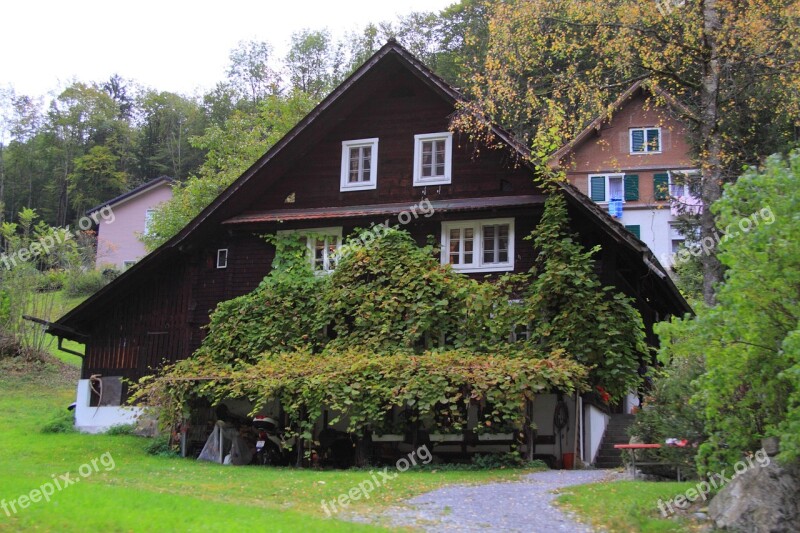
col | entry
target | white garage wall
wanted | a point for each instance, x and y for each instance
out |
(99, 419)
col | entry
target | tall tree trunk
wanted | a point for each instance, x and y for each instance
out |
(2, 185)
(711, 150)
(61, 216)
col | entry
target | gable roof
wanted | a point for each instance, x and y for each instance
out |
(595, 125)
(223, 207)
(141, 189)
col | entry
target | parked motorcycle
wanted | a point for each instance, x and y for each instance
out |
(272, 449)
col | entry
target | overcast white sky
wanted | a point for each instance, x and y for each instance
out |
(171, 45)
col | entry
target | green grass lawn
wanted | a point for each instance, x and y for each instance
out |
(143, 492)
(623, 506)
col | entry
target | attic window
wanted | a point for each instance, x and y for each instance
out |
(433, 153)
(222, 258)
(645, 140)
(359, 165)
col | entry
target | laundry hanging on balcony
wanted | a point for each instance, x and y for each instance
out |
(615, 207)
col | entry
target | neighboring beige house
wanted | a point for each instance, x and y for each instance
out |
(637, 165)
(118, 244)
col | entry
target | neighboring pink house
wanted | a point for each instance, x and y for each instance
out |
(118, 244)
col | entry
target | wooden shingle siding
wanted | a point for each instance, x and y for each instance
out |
(156, 310)
(314, 179)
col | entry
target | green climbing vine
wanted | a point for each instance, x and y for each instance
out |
(393, 328)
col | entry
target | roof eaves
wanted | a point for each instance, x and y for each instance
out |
(175, 241)
(133, 192)
(594, 125)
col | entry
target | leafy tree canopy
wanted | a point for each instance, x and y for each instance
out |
(748, 341)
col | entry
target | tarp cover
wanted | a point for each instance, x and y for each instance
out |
(235, 449)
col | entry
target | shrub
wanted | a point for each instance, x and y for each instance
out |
(85, 283)
(60, 422)
(161, 447)
(490, 461)
(110, 274)
(51, 280)
(666, 413)
(9, 347)
(121, 429)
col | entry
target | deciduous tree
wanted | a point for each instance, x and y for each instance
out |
(734, 68)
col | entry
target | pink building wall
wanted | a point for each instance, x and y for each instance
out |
(119, 241)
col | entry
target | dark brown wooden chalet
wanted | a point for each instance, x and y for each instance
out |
(315, 177)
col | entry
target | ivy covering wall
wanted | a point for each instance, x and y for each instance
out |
(392, 327)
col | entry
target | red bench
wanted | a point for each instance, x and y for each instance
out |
(634, 447)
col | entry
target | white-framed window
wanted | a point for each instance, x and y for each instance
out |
(676, 237)
(222, 258)
(359, 165)
(479, 245)
(684, 183)
(322, 244)
(605, 187)
(433, 156)
(522, 331)
(148, 220)
(645, 140)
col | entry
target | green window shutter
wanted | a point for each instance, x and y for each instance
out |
(636, 230)
(653, 140)
(631, 187)
(661, 186)
(637, 141)
(597, 190)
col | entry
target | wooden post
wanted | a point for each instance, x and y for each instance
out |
(577, 426)
(221, 445)
(415, 428)
(363, 449)
(300, 445)
(530, 433)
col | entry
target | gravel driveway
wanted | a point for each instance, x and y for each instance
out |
(519, 506)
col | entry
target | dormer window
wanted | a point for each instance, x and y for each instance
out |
(645, 140)
(359, 165)
(433, 154)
